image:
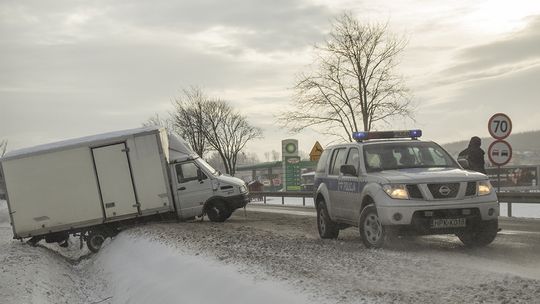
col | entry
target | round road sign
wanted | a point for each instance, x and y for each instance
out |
(500, 152)
(500, 126)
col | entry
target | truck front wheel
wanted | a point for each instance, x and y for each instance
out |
(217, 211)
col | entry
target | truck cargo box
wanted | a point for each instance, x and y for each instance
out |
(87, 181)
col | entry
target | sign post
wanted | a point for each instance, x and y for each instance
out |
(500, 151)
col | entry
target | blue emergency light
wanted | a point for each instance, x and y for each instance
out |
(413, 134)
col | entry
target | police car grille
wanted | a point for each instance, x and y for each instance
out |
(414, 192)
(444, 190)
(471, 189)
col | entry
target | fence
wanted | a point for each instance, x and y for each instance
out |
(504, 197)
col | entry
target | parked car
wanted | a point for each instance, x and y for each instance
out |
(391, 183)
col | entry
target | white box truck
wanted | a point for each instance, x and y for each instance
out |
(91, 187)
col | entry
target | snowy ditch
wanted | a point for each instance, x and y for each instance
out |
(143, 271)
(128, 270)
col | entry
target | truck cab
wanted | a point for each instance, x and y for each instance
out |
(392, 183)
(200, 189)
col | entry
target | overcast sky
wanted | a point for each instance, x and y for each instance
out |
(75, 68)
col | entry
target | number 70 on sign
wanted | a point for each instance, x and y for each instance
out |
(500, 126)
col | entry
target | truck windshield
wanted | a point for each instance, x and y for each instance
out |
(207, 168)
(403, 155)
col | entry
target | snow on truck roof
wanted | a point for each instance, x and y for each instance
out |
(76, 142)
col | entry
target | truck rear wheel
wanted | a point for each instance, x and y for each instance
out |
(95, 240)
(482, 236)
(328, 229)
(217, 211)
(371, 229)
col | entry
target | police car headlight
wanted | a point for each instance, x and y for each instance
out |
(243, 189)
(396, 191)
(483, 187)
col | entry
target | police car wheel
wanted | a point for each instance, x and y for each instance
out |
(372, 231)
(327, 228)
(482, 236)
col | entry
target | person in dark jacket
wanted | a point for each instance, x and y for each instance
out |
(475, 155)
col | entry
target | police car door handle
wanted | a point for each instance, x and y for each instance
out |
(182, 188)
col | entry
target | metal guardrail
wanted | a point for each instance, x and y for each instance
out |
(504, 197)
(254, 195)
(518, 198)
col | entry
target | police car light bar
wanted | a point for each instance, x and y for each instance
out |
(413, 134)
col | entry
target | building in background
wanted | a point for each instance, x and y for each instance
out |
(270, 174)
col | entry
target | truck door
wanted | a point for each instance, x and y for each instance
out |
(115, 180)
(193, 188)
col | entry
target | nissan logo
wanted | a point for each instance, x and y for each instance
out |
(444, 190)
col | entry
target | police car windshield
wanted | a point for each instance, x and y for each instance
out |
(403, 155)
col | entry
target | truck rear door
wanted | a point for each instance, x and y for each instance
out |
(115, 181)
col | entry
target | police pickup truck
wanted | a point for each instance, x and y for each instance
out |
(390, 183)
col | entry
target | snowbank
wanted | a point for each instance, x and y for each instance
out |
(130, 269)
(143, 271)
(39, 275)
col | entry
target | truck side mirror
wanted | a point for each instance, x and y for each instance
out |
(464, 163)
(348, 170)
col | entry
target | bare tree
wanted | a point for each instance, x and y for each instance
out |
(158, 121)
(215, 161)
(275, 155)
(3, 147)
(209, 125)
(227, 132)
(353, 85)
(249, 158)
(188, 118)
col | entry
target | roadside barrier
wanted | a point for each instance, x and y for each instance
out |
(508, 198)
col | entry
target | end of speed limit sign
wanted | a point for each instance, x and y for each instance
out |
(500, 126)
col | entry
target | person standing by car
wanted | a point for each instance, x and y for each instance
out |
(474, 155)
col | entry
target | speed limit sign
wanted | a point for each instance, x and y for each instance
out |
(500, 126)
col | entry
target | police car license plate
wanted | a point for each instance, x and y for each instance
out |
(448, 223)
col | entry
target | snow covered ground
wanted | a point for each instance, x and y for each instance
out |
(129, 269)
(156, 273)
(267, 258)
(518, 210)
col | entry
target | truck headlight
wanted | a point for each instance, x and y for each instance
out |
(483, 187)
(396, 191)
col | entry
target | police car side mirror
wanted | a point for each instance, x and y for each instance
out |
(348, 170)
(464, 163)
